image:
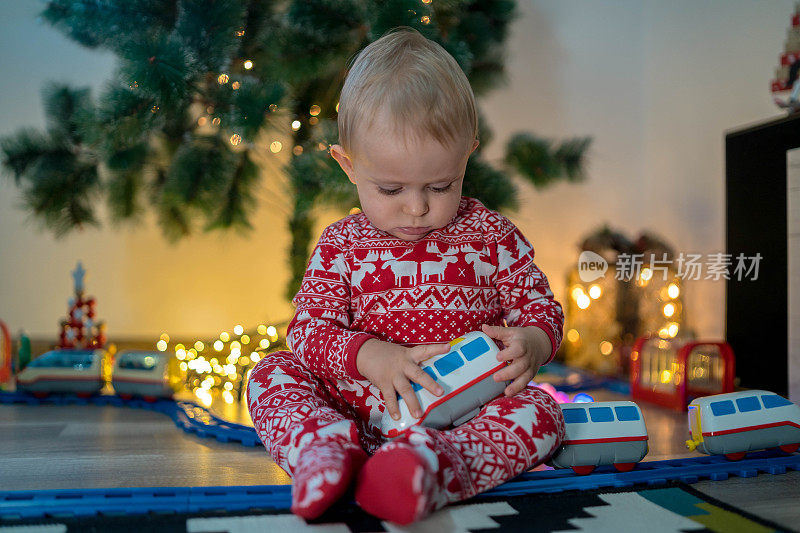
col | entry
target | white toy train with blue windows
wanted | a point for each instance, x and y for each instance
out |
(735, 423)
(465, 374)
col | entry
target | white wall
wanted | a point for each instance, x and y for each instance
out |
(655, 83)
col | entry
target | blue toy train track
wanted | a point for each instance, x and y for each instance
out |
(196, 419)
(15, 505)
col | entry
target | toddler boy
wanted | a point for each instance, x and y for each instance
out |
(386, 289)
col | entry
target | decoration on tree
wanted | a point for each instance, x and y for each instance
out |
(80, 330)
(206, 91)
(605, 316)
(787, 79)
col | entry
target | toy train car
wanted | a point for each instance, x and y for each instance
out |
(146, 373)
(63, 371)
(465, 374)
(735, 423)
(601, 433)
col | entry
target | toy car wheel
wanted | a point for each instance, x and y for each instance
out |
(624, 467)
(583, 470)
(738, 456)
(790, 448)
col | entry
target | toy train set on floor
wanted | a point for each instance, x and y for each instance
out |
(606, 439)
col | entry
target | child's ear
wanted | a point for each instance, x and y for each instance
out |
(337, 152)
(474, 145)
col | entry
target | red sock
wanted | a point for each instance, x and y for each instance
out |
(410, 477)
(323, 473)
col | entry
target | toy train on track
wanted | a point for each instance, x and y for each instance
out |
(597, 433)
(148, 374)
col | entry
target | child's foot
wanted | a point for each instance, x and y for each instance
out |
(404, 481)
(323, 473)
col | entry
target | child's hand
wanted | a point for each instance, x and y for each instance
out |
(526, 349)
(390, 366)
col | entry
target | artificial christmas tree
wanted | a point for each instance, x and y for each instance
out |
(207, 89)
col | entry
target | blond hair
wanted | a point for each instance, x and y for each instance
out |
(417, 82)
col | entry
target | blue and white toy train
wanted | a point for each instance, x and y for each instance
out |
(148, 374)
(601, 433)
(465, 374)
(735, 423)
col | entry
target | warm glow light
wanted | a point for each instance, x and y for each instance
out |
(254, 357)
(666, 376)
(235, 139)
(248, 64)
(184, 366)
(236, 346)
(216, 121)
(669, 310)
(228, 385)
(646, 274)
(202, 121)
(314, 111)
(275, 147)
(584, 301)
(663, 333)
(161, 345)
(672, 329)
(263, 344)
(164, 337)
(245, 339)
(313, 121)
(179, 347)
(235, 85)
(227, 396)
(273, 107)
(577, 292)
(223, 79)
(272, 332)
(180, 354)
(425, 19)
(199, 346)
(355, 211)
(238, 329)
(224, 337)
(218, 345)
(606, 348)
(262, 329)
(673, 290)
(573, 335)
(595, 291)
(295, 125)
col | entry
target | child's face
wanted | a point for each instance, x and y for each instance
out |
(407, 189)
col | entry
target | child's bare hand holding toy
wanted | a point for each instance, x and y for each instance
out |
(391, 367)
(525, 349)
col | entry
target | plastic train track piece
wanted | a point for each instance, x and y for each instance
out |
(32, 503)
(188, 416)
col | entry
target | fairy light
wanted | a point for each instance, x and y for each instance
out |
(295, 125)
(425, 19)
(238, 329)
(315, 110)
(262, 329)
(275, 147)
(222, 79)
(313, 121)
(248, 64)
(573, 335)
(161, 345)
(224, 336)
(297, 150)
(215, 121)
(202, 121)
(595, 291)
(164, 337)
(218, 345)
(199, 346)
(583, 301)
(235, 85)
(236, 139)
(673, 291)
(263, 344)
(669, 310)
(245, 339)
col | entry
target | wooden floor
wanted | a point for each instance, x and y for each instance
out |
(68, 447)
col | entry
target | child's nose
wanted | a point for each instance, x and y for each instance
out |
(417, 205)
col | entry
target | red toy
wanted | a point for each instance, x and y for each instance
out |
(672, 372)
(5, 353)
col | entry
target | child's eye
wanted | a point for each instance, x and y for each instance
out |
(388, 192)
(442, 189)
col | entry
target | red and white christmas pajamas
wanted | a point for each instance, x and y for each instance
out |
(362, 283)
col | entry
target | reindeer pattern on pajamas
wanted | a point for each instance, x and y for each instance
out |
(363, 283)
